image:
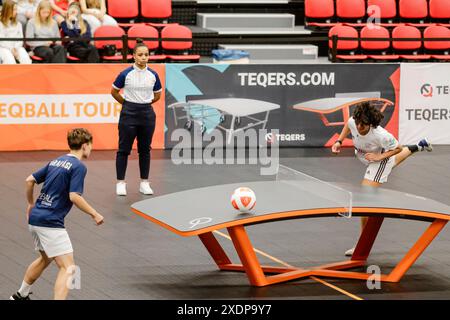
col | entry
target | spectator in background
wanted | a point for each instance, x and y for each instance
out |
(26, 10)
(10, 51)
(43, 26)
(94, 12)
(74, 27)
(60, 9)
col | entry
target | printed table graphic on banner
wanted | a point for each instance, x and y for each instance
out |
(425, 103)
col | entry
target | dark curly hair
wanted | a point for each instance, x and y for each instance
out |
(366, 113)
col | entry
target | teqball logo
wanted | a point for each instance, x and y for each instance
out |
(427, 90)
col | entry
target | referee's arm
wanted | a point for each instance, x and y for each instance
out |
(116, 95)
(156, 96)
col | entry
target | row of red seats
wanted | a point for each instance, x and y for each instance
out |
(327, 13)
(146, 31)
(390, 50)
(164, 51)
(130, 9)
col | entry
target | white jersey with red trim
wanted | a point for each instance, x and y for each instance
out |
(377, 140)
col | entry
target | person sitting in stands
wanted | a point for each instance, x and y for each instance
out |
(94, 12)
(10, 51)
(60, 9)
(43, 26)
(26, 10)
(75, 27)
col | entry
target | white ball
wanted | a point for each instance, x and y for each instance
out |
(243, 199)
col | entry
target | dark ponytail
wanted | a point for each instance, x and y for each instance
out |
(139, 43)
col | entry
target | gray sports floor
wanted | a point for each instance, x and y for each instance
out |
(131, 258)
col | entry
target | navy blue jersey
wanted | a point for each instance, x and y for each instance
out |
(60, 177)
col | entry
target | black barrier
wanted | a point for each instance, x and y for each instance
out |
(230, 39)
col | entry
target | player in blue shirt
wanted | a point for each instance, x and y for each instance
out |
(63, 180)
(141, 88)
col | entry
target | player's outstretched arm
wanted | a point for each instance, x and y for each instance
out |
(381, 156)
(82, 204)
(336, 147)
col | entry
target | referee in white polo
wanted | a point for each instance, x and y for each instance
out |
(141, 88)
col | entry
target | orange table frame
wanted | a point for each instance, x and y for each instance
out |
(257, 273)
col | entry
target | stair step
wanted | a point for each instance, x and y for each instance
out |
(299, 30)
(245, 20)
(276, 51)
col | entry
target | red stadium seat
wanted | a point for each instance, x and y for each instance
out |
(123, 8)
(144, 31)
(440, 9)
(161, 9)
(110, 31)
(414, 10)
(319, 13)
(408, 49)
(378, 48)
(388, 8)
(346, 49)
(440, 12)
(36, 59)
(386, 11)
(319, 8)
(438, 49)
(178, 31)
(72, 58)
(350, 9)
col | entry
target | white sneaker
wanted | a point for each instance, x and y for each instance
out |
(349, 252)
(144, 188)
(121, 189)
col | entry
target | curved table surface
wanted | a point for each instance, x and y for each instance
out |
(239, 107)
(202, 210)
(328, 105)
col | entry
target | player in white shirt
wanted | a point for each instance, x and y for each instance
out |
(375, 147)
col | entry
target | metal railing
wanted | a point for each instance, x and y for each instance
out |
(229, 39)
(224, 39)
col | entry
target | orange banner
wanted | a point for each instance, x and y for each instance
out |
(40, 103)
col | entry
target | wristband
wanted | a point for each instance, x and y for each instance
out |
(340, 142)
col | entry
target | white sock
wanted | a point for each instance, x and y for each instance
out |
(24, 290)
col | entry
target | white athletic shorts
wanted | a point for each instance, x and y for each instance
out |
(54, 242)
(379, 171)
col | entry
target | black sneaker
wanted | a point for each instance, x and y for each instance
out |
(17, 296)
